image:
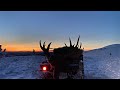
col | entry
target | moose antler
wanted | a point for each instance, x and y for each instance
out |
(77, 41)
(45, 50)
(70, 42)
(74, 44)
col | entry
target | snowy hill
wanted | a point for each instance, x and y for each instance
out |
(113, 49)
(102, 63)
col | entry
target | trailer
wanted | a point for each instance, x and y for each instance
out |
(67, 59)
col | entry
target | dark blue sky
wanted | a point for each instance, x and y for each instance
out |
(24, 29)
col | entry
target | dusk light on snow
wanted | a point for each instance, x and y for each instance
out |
(59, 44)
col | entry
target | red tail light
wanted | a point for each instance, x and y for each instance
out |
(44, 68)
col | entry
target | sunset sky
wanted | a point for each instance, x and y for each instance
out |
(22, 30)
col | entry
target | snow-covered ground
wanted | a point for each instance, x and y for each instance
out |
(20, 67)
(103, 63)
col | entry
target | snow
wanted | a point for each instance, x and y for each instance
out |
(20, 67)
(98, 64)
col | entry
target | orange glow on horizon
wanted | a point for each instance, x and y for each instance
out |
(15, 47)
(30, 47)
(25, 47)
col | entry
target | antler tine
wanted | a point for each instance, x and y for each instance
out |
(41, 46)
(44, 44)
(80, 44)
(49, 46)
(77, 41)
(70, 42)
